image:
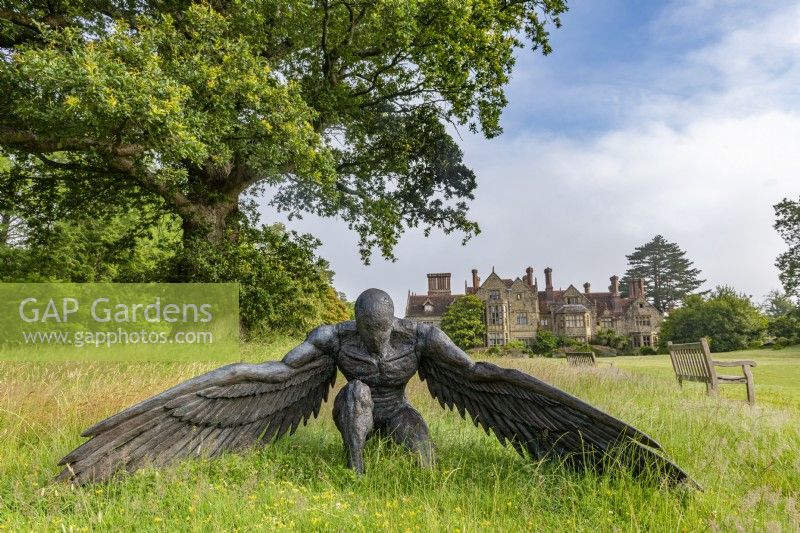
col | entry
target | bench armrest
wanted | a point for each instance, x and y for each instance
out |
(734, 363)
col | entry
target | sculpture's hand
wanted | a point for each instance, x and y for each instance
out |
(533, 416)
(226, 409)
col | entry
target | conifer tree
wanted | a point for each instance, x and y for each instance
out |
(668, 275)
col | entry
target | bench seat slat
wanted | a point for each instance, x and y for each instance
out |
(733, 379)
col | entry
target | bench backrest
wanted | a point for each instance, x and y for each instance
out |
(581, 358)
(692, 361)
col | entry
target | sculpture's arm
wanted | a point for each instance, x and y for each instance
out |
(437, 345)
(535, 417)
(321, 342)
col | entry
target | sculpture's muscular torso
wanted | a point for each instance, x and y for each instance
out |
(378, 354)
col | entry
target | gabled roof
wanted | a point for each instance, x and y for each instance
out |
(602, 301)
(440, 302)
(494, 276)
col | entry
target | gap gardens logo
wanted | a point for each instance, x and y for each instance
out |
(145, 321)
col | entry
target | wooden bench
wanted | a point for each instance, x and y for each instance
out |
(581, 358)
(692, 362)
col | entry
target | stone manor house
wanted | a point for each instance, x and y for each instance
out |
(516, 309)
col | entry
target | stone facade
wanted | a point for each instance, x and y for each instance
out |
(516, 309)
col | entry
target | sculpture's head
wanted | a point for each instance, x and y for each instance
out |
(374, 318)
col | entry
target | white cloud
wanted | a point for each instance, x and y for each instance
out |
(709, 186)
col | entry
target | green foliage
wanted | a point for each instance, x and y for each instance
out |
(581, 347)
(515, 345)
(284, 286)
(785, 326)
(787, 223)
(784, 319)
(464, 323)
(783, 342)
(610, 338)
(545, 343)
(511, 348)
(563, 341)
(88, 250)
(783, 316)
(350, 306)
(728, 319)
(338, 109)
(80, 248)
(777, 304)
(68, 231)
(668, 275)
(647, 350)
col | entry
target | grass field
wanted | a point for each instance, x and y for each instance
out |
(747, 459)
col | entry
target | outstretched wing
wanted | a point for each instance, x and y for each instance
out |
(226, 409)
(533, 416)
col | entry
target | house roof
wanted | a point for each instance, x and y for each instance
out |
(603, 301)
(440, 302)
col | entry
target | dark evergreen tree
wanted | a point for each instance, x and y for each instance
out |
(668, 275)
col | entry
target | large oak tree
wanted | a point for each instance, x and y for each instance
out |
(338, 108)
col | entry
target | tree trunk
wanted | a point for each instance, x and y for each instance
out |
(213, 196)
(5, 227)
(210, 222)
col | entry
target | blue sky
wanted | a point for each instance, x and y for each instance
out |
(679, 118)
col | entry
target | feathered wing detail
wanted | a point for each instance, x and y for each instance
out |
(540, 419)
(227, 409)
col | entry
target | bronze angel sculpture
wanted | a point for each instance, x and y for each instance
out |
(239, 405)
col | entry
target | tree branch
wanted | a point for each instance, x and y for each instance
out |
(341, 187)
(30, 142)
(18, 19)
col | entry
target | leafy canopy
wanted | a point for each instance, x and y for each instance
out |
(730, 320)
(777, 304)
(784, 318)
(463, 322)
(336, 108)
(668, 275)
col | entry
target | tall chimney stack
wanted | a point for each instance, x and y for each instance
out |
(439, 283)
(633, 288)
(587, 287)
(614, 288)
(640, 290)
(529, 276)
(476, 281)
(548, 282)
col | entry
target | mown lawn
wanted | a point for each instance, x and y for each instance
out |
(747, 459)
